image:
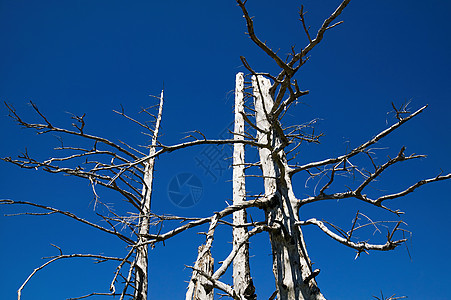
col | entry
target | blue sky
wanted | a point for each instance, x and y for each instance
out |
(92, 56)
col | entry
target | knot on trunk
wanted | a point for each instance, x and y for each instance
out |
(249, 292)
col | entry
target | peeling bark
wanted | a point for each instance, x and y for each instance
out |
(142, 258)
(203, 290)
(291, 264)
(242, 281)
(200, 286)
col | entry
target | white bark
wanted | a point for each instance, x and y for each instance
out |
(200, 287)
(242, 281)
(141, 269)
(291, 265)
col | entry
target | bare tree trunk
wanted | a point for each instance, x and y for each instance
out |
(242, 281)
(141, 269)
(291, 264)
(199, 287)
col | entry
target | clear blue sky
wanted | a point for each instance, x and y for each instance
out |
(91, 56)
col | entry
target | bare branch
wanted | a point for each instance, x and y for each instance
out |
(360, 148)
(259, 202)
(48, 127)
(359, 246)
(320, 33)
(226, 262)
(302, 14)
(260, 44)
(71, 215)
(118, 269)
(97, 294)
(411, 188)
(19, 292)
(182, 146)
(379, 170)
(122, 113)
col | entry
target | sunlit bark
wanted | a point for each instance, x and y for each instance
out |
(142, 257)
(242, 281)
(291, 264)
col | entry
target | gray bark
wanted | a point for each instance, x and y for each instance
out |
(291, 264)
(242, 281)
(201, 287)
(141, 260)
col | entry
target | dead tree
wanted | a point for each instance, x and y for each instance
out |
(141, 269)
(261, 101)
(242, 280)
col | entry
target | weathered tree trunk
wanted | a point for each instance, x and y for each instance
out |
(291, 264)
(141, 269)
(242, 281)
(199, 287)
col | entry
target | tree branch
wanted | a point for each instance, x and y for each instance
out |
(359, 149)
(19, 292)
(359, 246)
(260, 44)
(71, 215)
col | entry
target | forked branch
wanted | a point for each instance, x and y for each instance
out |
(358, 149)
(359, 246)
